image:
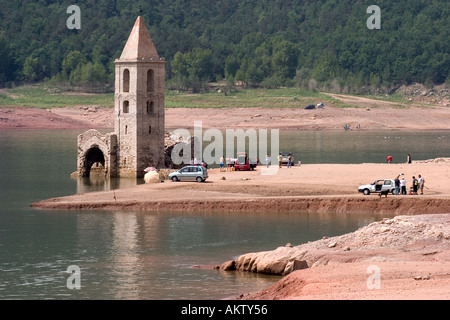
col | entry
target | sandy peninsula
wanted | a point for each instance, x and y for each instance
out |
(305, 188)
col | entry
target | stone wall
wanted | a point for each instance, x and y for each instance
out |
(94, 147)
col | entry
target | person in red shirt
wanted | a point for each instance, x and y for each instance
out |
(389, 159)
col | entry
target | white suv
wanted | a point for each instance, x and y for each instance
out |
(378, 186)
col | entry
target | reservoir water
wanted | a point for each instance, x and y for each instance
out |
(138, 255)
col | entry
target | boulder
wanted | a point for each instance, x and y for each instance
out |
(152, 177)
(228, 266)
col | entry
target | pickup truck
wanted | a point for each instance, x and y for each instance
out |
(378, 186)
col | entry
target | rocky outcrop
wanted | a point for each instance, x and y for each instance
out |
(399, 239)
(436, 160)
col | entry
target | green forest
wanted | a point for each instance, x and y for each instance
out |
(266, 43)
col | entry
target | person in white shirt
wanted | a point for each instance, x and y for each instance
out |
(403, 186)
(421, 183)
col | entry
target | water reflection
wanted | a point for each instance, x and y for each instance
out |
(126, 255)
(101, 183)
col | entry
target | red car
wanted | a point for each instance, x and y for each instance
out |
(244, 163)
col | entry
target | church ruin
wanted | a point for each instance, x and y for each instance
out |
(138, 138)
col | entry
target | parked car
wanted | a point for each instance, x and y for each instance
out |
(244, 163)
(378, 186)
(190, 173)
(311, 106)
(285, 158)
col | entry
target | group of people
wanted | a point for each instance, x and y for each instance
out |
(225, 164)
(290, 160)
(417, 185)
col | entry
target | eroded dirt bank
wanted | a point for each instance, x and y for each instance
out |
(327, 204)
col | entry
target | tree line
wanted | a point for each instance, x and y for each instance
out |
(269, 43)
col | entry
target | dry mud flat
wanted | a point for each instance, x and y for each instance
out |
(370, 114)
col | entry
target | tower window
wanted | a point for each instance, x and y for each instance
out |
(126, 129)
(150, 80)
(150, 130)
(150, 107)
(126, 106)
(126, 80)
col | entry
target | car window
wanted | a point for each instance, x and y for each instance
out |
(387, 182)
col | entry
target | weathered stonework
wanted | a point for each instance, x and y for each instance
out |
(93, 147)
(138, 140)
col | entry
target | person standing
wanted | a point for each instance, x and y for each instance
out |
(421, 183)
(280, 160)
(267, 160)
(289, 160)
(408, 159)
(222, 164)
(397, 186)
(403, 186)
(415, 184)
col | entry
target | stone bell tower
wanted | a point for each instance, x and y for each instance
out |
(139, 104)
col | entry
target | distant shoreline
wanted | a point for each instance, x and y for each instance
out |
(367, 115)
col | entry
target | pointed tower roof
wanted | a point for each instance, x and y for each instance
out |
(139, 45)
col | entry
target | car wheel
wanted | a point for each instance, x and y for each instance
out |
(174, 179)
(199, 179)
(366, 192)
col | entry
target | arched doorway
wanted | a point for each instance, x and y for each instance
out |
(93, 156)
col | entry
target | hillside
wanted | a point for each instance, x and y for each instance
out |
(259, 42)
